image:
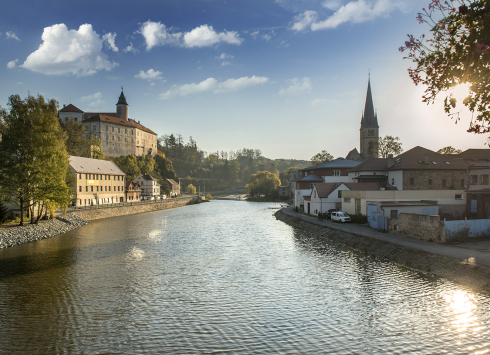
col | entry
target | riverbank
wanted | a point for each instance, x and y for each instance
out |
(464, 272)
(45, 229)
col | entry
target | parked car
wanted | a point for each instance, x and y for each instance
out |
(163, 197)
(340, 217)
(329, 212)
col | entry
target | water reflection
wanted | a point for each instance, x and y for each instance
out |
(224, 277)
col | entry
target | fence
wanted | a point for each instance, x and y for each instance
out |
(379, 222)
(475, 228)
(123, 204)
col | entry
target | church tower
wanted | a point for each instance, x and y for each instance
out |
(122, 107)
(369, 132)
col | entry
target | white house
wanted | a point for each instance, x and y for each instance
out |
(148, 185)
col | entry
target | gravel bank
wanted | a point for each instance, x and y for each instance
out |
(475, 277)
(45, 229)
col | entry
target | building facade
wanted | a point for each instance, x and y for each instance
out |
(98, 182)
(119, 134)
(148, 185)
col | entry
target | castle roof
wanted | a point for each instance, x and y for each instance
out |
(70, 108)
(122, 99)
(369, 117)
(99, 117)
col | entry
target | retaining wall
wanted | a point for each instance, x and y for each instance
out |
(419, 226)
(108, 212)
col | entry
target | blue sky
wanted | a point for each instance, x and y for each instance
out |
(287, 77)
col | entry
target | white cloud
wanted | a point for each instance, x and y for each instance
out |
(255, 34)
(332, 4)
(357, 12)
(266, 37)
(12, 35)
(130, 48)
(212, 85)
(110, 39)
(12, 64)
(94, 100)
(224, 64)
(297, 87)
(157, 34)
(205, 36)
(319, 102)
(224, 56)
(150, 75)
(63, 51)
(304, 20)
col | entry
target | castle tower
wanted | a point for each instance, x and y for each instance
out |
(122, 107)
(369, 132)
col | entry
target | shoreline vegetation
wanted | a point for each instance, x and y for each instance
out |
(429, 265)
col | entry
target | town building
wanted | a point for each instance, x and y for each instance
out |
(148, 185)
(133, 191)
(119, 134)
(174, 187)
(98, 182)
(283, 191)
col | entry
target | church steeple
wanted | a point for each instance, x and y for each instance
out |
(122, 106)
(369, 118)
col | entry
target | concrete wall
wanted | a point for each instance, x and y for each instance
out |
(108, 212)
(419, 227)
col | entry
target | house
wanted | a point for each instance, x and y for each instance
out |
(371, 170)
(392, 209)
(98, 182)
(174, 187)
(148, 185)
(478, 198)
(119, 134)
(133, 191)
(303, 189)
(293, 176)
(283, 192)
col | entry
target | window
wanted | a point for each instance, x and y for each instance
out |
(118, 188)
(126, 131)
(109, 188)
(112, 129)
(458, 196)
(97, 189)
(112, 137)
(412, 181)
(118, 178)
(336, 172)
(125, 140)
(86, 176)
(107, 137)
(132, 140)
(347, 199)
(114, 177)
(462, 183)
(91, 188)
(106, 188)
(474, 179)
(94, 127)
(79, 189)
(86, 188)
(106, 128)
(118, 138)
(443, 182)
(430, 182)
(394, 214)
(118, 129)
(339, 193)
(484, 179)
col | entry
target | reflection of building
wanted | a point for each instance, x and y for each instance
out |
(119, 134)
(148, 185)
(369, 131)
(97, 181)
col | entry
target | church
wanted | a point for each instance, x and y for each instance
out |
(119, 134)
(369, 131)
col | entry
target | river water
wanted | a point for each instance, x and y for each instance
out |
(224, 277)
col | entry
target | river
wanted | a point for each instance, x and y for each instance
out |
(224, 277)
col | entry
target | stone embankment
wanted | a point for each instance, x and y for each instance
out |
(45, 229)
(473, 276)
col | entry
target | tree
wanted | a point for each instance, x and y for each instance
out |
(449, 150)
(96, 148)
(389, 145)
(457, 53)
(76, 143)
(190, 190)
(321, 157)
(263, 183)
(4, 213)
(33, 157)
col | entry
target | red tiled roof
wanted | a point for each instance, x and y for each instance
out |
(307, 198)
(70, 108)
(91, 114)
(413, 159)
(475, 154)
(325, 189)
(116, 120)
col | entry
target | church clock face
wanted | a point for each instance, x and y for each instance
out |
(371, 132)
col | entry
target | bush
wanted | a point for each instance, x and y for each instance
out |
(190, 190)
(358, 218)
(209, 196)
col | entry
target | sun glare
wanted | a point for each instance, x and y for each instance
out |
(462, 305)
(460, 91)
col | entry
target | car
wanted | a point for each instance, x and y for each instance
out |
(329, 212)
(340, 217)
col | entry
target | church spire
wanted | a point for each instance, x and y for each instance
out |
(369, 119)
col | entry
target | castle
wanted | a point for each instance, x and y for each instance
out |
(369, 131)
(119, 134)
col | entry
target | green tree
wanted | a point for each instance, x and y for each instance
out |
(458, 52)
(321, 157)
(33, 156)
(95, 145)
(389, 145)
(77, 143)
(3, 213)
(263, 183)
(449, 150)
(190, 190)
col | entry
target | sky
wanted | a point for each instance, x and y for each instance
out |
(288, 77)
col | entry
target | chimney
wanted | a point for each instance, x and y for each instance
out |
(425, 159)
(64, 105)
(391, 161)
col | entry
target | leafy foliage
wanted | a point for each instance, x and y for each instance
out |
(263, 183)
(389, 145)
(321, 157)
(76, 142)
(95, 146)
(449, 150)
(3, 213)
(457, 53)
(191, 189)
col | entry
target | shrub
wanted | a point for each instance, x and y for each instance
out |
(209, 196)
